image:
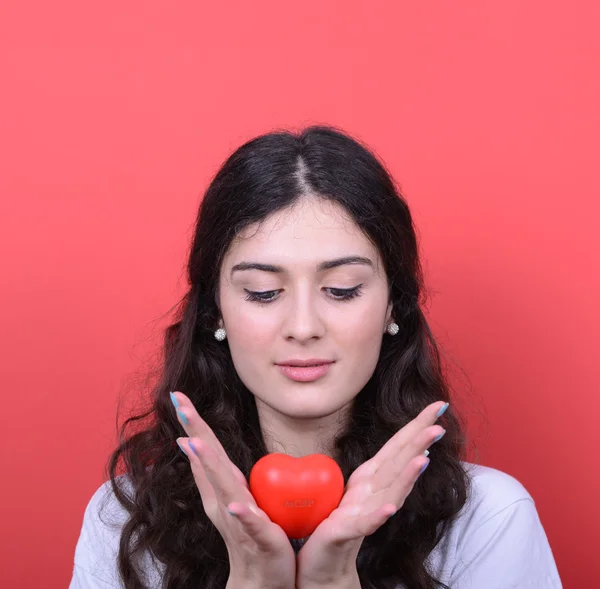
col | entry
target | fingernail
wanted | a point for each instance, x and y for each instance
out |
(181, 447)
(442, 410)
(193, 449)
(423, 468)
(174, 400)
(439, 437)
(231, 512)
(426, 452)
(183, 418)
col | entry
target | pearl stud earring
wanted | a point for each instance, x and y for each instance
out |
(393, 328)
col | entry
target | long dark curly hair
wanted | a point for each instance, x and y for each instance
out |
(166, 517)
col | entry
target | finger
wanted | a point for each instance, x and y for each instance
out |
(227, 487)
(370, 523)
(394, 498)
(239, 475)
(207, 493)
(255, 523)
(193, 424)
(395, 444)
(426, 418)
(403, 485)
(355, 525)
(395, 467)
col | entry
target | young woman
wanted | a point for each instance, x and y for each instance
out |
(302, 333)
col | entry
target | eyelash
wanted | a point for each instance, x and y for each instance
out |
(347, 294)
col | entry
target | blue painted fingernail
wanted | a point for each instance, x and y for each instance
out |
(426, 452)
(424, 467)
(181, 447)
(174, 400)
(439, 437)
(183, 418)
(442, 410)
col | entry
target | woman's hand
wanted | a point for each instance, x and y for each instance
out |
(260, 553)
(375, 491)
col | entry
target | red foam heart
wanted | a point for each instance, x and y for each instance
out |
(297, 493)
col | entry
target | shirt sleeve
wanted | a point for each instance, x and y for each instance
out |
(508, 550)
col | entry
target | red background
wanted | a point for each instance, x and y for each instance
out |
(113, 118)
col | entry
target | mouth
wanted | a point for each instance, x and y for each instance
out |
(303, 363)
(305, 370)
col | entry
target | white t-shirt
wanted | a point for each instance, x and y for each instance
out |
(497, 541)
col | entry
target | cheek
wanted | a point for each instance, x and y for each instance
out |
(363, 326)
(247, 351)
(359, 340)
(248, 328)
(250, 339)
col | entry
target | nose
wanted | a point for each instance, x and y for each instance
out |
(303, 320)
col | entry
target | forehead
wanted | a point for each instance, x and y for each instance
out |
(311, 231)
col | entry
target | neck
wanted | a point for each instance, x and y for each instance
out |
(300, 436)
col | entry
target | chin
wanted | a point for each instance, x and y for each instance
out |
(310, 410)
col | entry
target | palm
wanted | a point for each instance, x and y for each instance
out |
(341, 533)
(347, 521)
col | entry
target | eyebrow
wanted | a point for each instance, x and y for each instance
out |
(328, 265)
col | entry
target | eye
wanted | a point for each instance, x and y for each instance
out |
(345, 294)
(266, 296)
(339, 294)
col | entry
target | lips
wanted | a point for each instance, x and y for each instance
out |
(307, 362)
(305, 370)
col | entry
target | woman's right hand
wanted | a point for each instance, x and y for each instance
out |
(260, 553)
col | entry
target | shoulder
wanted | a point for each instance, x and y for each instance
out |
(104, 499)
(495, 499)
(496, 536)
(98, 543)
(492, 491)
(97, 549)
(104, 515)
(499, 507)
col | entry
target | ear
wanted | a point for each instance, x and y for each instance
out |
(220, 314)
(388, 315)
(218, 298)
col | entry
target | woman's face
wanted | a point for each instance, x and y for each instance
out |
(305, 285)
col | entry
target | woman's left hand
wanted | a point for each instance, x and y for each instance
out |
(375, 491)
